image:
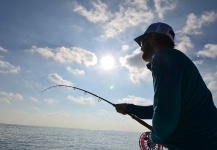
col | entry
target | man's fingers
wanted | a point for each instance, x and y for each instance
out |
(121, 108)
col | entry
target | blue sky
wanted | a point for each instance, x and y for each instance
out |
(89, 44)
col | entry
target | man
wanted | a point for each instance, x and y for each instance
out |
(183, 114)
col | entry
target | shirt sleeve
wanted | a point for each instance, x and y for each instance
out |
(166, 72)
(143, 112)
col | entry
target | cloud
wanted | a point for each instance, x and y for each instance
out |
(130, 13)
(136, 100)
(210, 50)
(136, 66)
(9, 97)
(36, 109)
(75, 71)
(211, 81)
(198, 62)
(103, 112)
(162, 6)
(125, 48)
(210, 77)
(6, 67)
(67, 55)
(184, 43)
(34, 100)
(81, 99)
(56, 114)
(55, 78)
(212, 85)
(2, 49)
(98, 13)
(195, 23)
(49, 101)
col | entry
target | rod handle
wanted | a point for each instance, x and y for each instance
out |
(141, 121)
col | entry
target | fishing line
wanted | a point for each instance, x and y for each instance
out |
(145, 141)
(99, 99)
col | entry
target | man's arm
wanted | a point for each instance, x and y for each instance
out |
(142, 112)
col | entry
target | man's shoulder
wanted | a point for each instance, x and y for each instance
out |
(169, 53)
(168, 57)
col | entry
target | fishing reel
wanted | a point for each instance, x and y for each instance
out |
(145, 142)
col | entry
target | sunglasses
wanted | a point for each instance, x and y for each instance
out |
(144, 40)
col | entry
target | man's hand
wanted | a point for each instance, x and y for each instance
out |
(122, 108)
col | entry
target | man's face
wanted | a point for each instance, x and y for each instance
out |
(147, 47)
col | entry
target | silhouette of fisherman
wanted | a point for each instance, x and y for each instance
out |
(183, 114)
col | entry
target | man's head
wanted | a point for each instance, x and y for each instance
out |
(158, 35)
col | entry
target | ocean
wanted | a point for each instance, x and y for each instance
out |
(22, 137)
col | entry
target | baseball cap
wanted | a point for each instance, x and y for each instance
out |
(157, 28)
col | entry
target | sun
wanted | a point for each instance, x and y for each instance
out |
(107, 62)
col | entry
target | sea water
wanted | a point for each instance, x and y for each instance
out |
(22, 137)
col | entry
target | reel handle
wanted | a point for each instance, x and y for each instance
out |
(145, 142)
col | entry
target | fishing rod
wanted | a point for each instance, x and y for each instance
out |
(145, 141)
(100, 98)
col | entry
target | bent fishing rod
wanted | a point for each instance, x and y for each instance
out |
(100, 98)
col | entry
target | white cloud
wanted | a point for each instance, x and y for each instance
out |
(9, 97)
(45, 52)
(162, 6)
(6, 67)
(136, 66)
(36, 109)
(55, 78)
(67, 55)
(49, 101)
(198, 62)
(212, 85)
(184, 43)
(130, 13)
(134, 13)
(209, 51)
(211, 81)
(195, 23)
(81, 99)
(125, 48)
(210, 76)
(34, 100)
(103, 112)
(75, 71)
(98, 13)
(2, 49)
(56, 114)
(136, 100)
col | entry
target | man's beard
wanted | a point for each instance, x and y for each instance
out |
(147, 54)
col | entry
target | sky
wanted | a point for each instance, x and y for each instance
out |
(89, 44)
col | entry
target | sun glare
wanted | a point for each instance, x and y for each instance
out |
(107, 62)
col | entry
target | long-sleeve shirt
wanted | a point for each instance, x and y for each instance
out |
(183, 113)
